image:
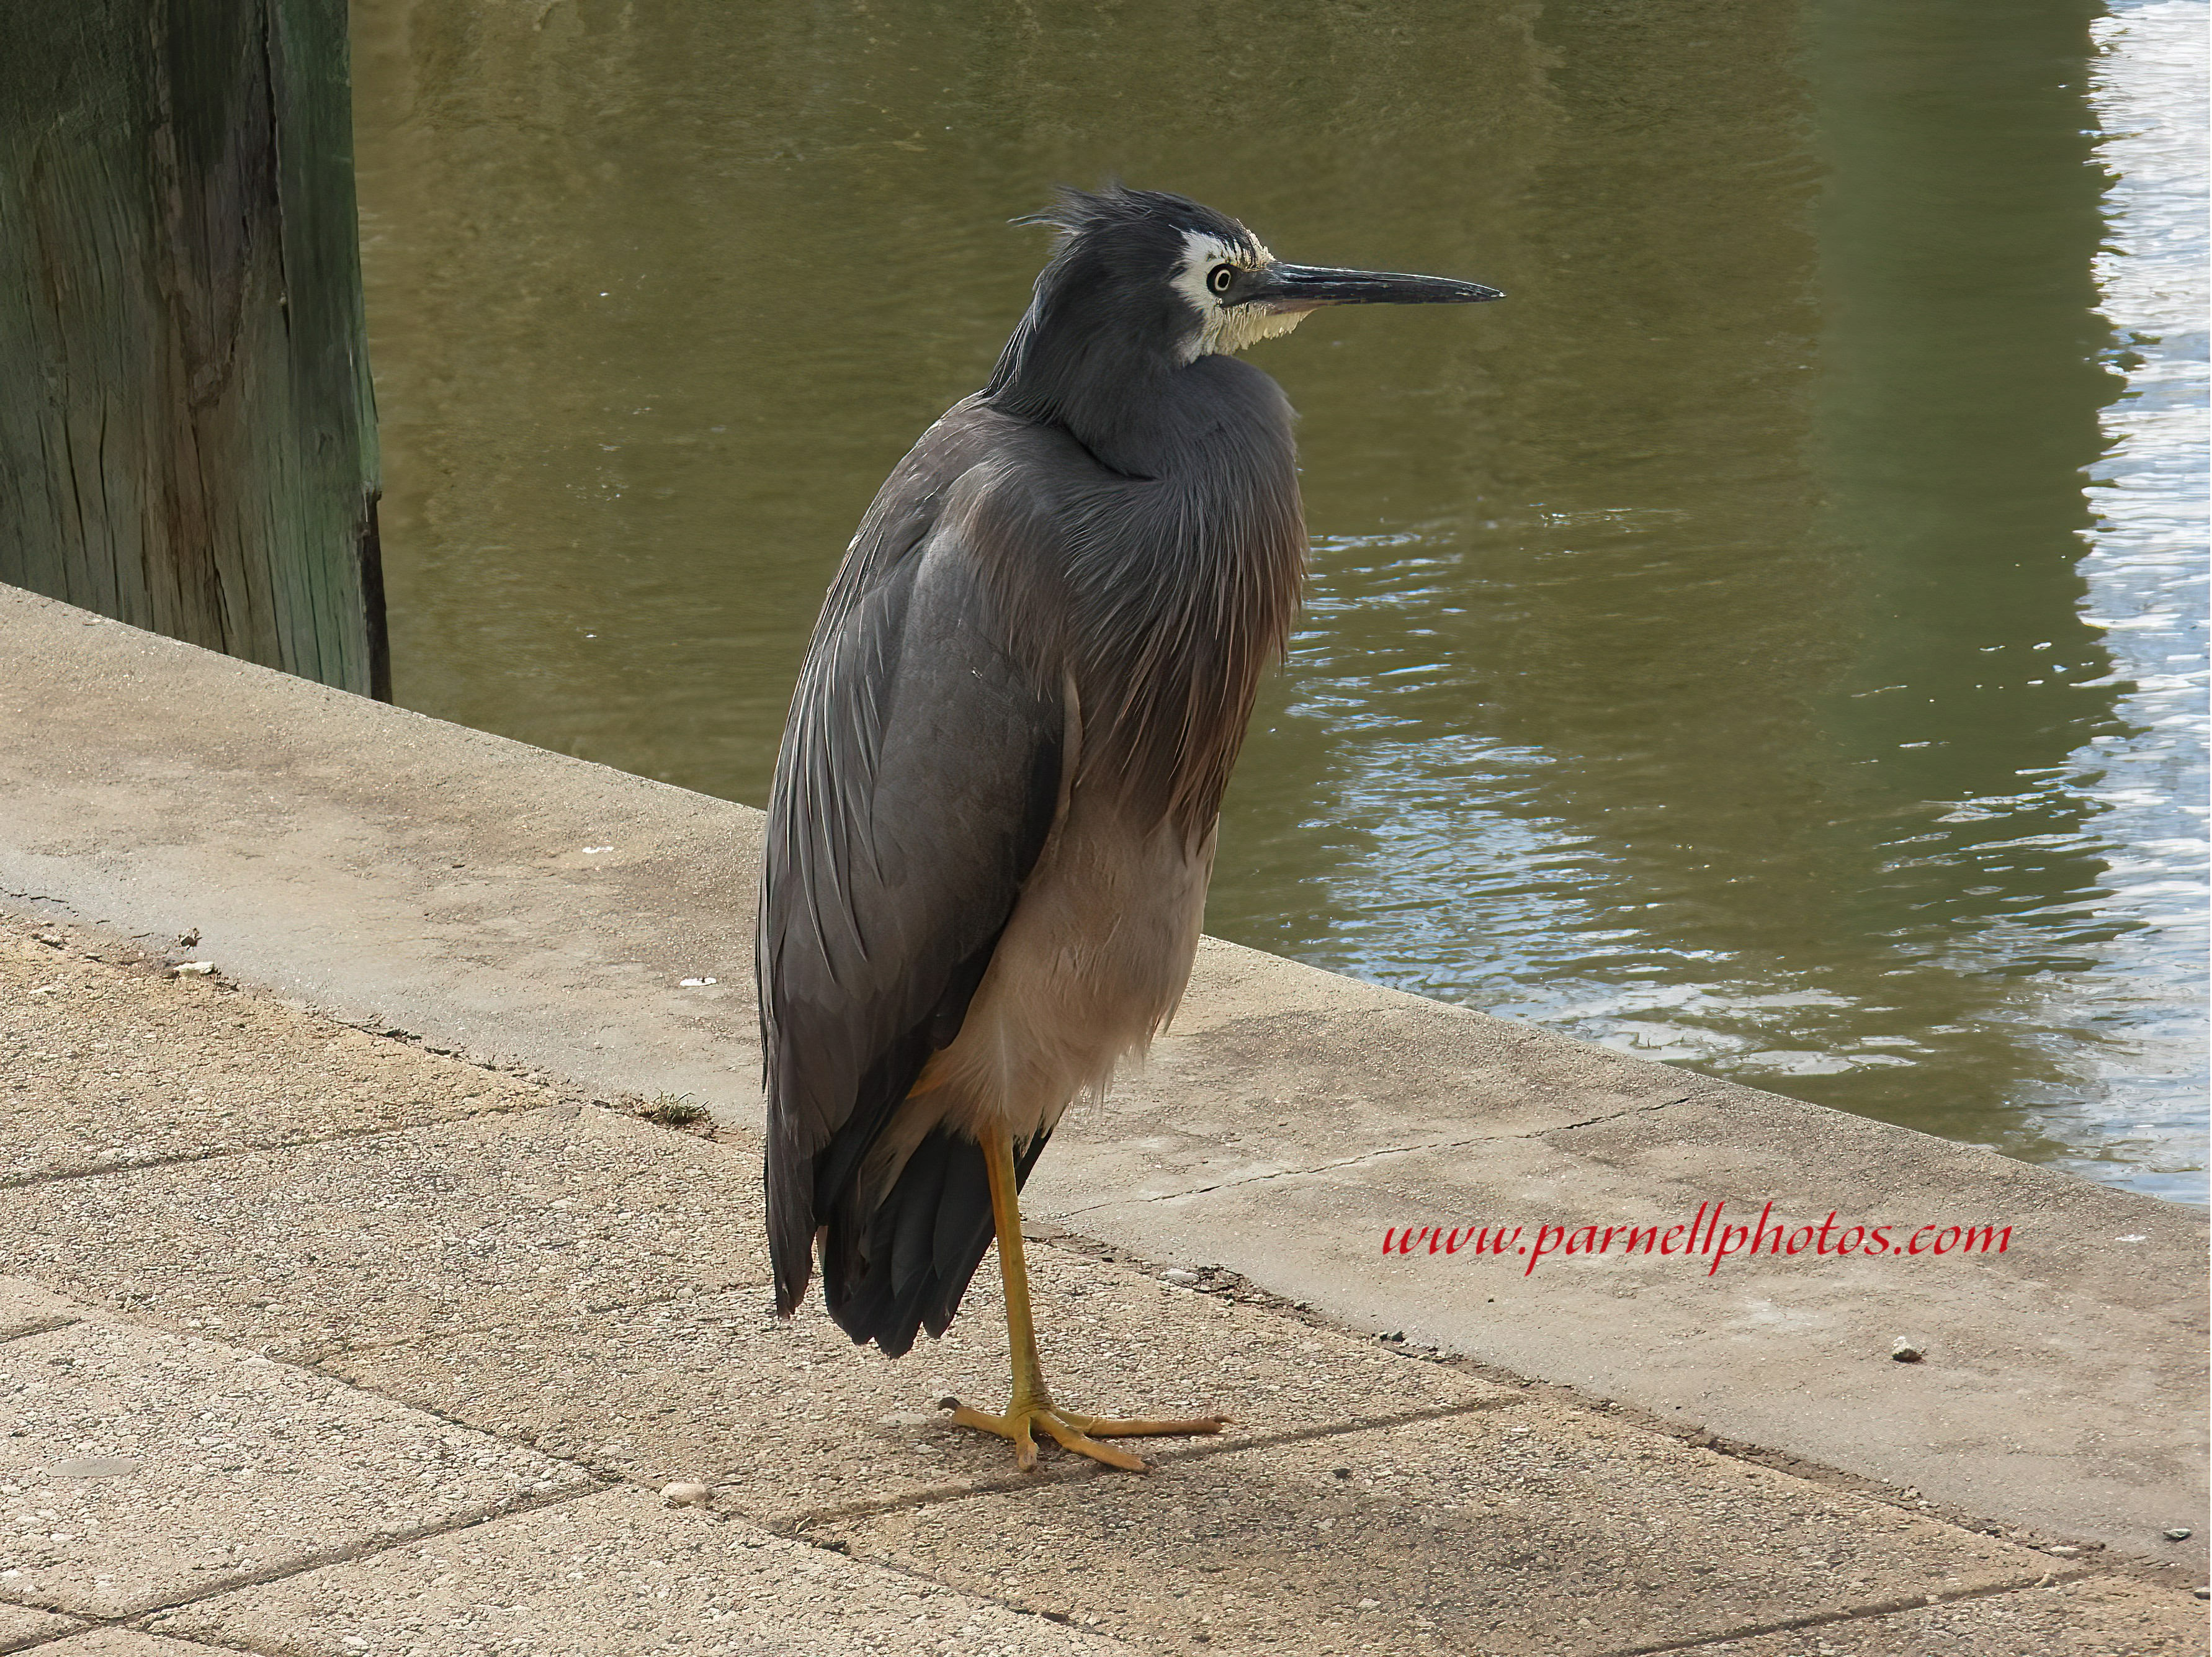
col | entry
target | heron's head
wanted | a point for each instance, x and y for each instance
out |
(1151, 274)
(1144, 281)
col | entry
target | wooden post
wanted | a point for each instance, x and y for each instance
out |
(187, 434)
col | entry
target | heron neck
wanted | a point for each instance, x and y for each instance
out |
(1082, 373)
(1140, 424)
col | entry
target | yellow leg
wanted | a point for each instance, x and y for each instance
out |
(1031, 1404)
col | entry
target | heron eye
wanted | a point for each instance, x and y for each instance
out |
(1220, 277)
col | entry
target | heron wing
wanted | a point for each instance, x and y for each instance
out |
(918, 780)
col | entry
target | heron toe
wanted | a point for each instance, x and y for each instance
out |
(1078, 1433)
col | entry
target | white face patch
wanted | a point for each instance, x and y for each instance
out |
(1230, 328)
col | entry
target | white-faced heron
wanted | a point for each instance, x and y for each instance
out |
(993, 815)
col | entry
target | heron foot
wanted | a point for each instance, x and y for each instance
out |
(1075, 1432)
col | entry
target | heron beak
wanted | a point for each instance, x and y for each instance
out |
(1298, 288)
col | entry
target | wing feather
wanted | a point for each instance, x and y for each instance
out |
(916, 785)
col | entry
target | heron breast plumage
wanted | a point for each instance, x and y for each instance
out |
(1157, 654)
(1059, 656)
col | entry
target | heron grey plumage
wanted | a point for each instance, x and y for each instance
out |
(993, 820)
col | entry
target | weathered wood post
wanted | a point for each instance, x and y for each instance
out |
(187, 434)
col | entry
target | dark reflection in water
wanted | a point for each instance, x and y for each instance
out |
(1694, 659)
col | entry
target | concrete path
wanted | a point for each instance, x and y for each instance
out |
(426, 1196)
(312, 1341)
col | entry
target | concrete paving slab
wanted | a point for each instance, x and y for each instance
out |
(25, 1309)
(1537, 1529)
(21, 1626)
(141, 1466)
(2093, 1617)
(105, 1064)
(2063, 1385)
(385, 1236)
(613, 1575)
(785, 1420)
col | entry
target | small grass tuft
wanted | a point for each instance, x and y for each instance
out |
(674, 1111)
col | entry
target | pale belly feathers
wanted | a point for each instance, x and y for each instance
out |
(1092, 963)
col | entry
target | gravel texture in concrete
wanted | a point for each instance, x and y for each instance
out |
(21, 1626)
(2087, 1618)
(141, 1466)
(385, 1236)
(615, 1575)
(230, 1071)
(130, 1642)
(1527, 1531)
(789, 1420)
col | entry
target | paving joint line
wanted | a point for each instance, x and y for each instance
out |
(185, 1159)
(792, 1529)
(1080, 1471)
(900, 1569)
(136, 1620)
(594, 1479)
(304, 1366)
(914, 1573)
(313, 1359)
(44, 1327)
(322, 1352)
(600, 1477)
(484, 1513)
(33, 1642)
(1829, 1619)
(41, 1641)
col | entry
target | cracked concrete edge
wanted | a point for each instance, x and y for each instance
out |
(482, 1513)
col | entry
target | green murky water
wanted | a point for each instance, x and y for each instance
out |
(1707, 652)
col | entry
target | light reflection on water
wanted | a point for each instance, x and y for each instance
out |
(2147, 578)
(1696, 659)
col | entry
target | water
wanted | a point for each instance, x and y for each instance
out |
(1771, 641)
